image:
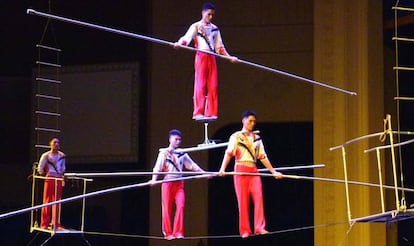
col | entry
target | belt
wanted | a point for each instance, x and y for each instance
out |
(246, 163)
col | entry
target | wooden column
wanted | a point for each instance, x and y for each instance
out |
(348, 49)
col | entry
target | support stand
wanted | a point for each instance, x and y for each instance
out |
(205, 121)
(47, 240)
(61, 232)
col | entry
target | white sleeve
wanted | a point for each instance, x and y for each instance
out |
(218, 45)
(42, 164)
(159, 163)
(189, 35)
(232, 146)
(261, 153)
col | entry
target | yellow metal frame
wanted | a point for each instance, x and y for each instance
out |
(36, 196)
(400, 204)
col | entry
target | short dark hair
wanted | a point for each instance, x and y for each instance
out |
(248, 113)
(174, 132)
(207, 6)
(53, 139)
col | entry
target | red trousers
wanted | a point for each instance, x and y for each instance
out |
(170, 192)
(52, 192)
(246, 186)
(205, 84)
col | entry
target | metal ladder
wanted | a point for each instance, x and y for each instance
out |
(47, 97)
(46, 111)
(400, 43)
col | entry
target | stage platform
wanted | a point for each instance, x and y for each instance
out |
(387, 217)
(57, 231)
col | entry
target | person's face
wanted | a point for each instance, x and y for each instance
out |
(54, 144)
(249, 122)
(175, 141)
(207, 15)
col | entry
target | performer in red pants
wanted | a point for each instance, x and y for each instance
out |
(169, 161)
(52, 165)
(247, 147)
(206, 36)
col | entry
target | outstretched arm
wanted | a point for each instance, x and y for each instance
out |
(157, 167)
(191, 165)
(269, 166)
(188, 36)
(222, 50)
(226, 159)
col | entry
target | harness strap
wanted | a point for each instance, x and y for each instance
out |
(53, 164)
(203, 35)
(253, 155)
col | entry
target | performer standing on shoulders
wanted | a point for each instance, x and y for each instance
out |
(206, 36)
(169, 161)
(247, 147)
(52, 165)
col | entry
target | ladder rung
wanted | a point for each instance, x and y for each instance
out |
(403, 39)
(402, 8)
(48, 97)
(403, 68)
(48, 64)
(404, 98)
(46, 129)
(42, 146)
(47, 113)
(48, 47)
(49, 80)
